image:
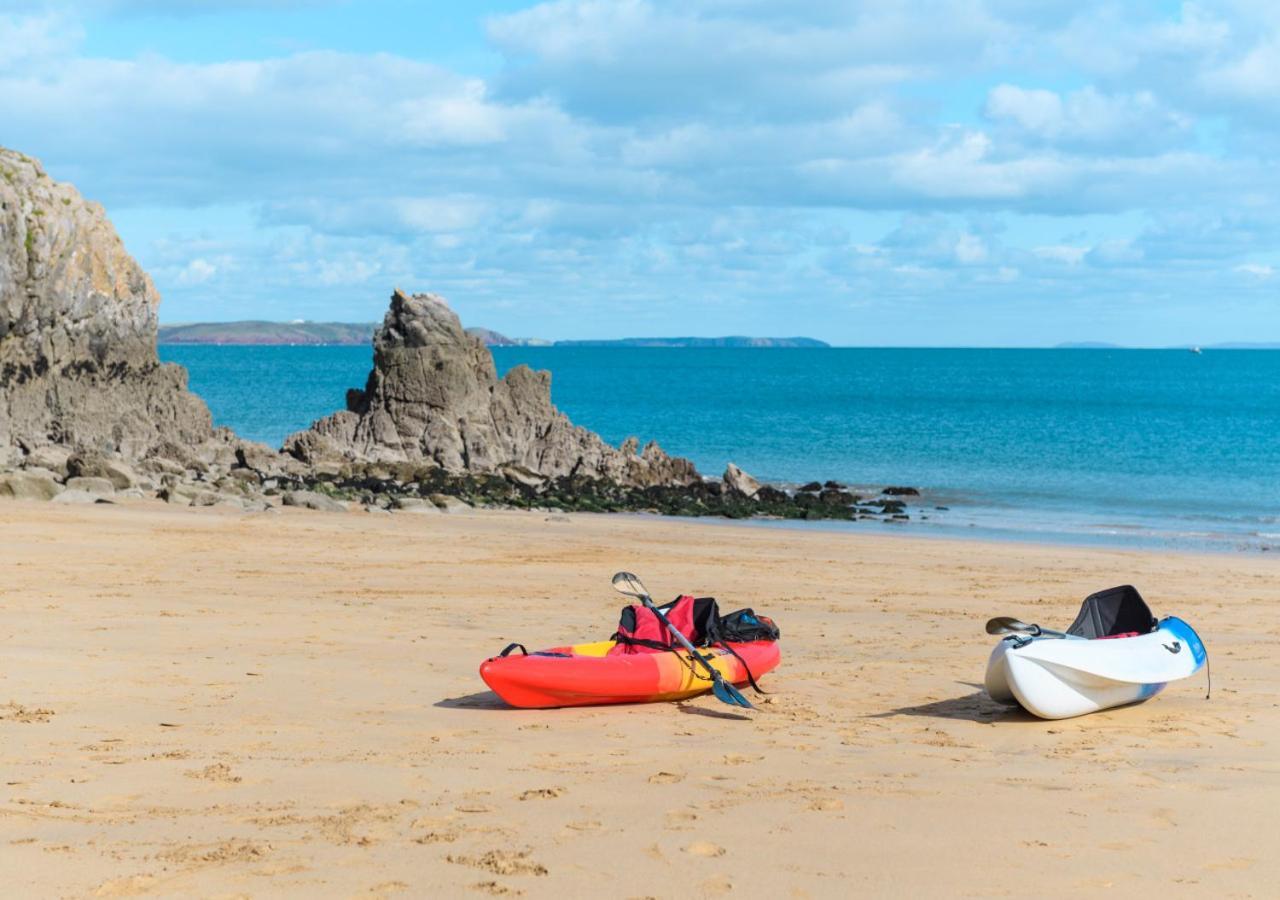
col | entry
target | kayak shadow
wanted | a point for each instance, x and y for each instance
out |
(478, 700)
(712, 713)
(974, 707)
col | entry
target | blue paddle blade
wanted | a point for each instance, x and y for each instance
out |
(727, 693)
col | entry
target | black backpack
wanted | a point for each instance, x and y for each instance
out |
(740, 627)
(744, 625)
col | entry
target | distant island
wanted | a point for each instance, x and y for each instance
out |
(732, 341)
(307, 333)
(360, 333)
(1230, 345)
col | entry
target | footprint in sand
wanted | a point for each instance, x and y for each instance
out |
(128, 886)
(585, 825)
(497, 889)
(224, 852)
(720, 884)
(16, 712)
(542, 793)
(826, 804)
(704, 848)
(680, 820)
(218, 772)
(501, 862)
(436, 837)
(666, 778)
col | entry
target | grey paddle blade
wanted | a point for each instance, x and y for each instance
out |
(727, 693)
(1010, 625)
(626, 583)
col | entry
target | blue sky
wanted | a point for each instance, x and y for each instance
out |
(976, 172)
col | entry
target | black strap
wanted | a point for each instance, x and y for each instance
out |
(746, 668)
(620, 638)
(510, 647)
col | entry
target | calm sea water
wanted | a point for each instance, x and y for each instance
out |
(1121, 447)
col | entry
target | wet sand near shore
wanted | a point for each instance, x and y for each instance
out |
(195, 702)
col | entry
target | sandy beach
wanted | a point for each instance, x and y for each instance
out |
(205, 703)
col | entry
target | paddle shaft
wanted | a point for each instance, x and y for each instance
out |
(1060, 634)
(684, 641)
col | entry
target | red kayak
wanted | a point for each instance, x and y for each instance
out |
(586, 675)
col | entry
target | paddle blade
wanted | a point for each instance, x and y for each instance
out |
(1010, 625)
(626, 583)
(727, 693)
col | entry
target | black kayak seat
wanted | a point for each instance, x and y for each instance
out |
(1117, 610)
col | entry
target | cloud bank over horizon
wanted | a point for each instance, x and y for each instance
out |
(921, 173)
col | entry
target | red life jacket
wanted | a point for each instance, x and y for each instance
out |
(641, 631)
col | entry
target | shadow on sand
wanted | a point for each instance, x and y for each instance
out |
(712, 713)
(478, 700)
(974, 707)
(488, 700)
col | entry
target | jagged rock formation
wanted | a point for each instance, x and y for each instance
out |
(434, 396)
(78, 364)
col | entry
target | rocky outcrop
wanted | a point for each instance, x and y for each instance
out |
(78, 364)
(434, 397)
(740, 482)
(89, 415)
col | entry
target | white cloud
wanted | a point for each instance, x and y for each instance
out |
(1063, 253)
(1118, 252)
(1253, 76)
(1257, 270)
(198, 271)
(1125, 123)
(34, 41)
(734, 151)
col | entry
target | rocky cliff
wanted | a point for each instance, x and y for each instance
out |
(434, 396)
(78, 364)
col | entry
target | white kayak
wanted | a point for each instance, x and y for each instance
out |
(1114, 654)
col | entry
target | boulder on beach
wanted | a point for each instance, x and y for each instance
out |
(740, 482)
(28, 486)
(434, 396)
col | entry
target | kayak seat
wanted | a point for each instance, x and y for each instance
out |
(1114, 612)
(1112, 637)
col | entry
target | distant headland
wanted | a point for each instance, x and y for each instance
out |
(361, 333)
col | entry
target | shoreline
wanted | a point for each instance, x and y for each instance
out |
(1121, 541)
(1118, 537)
(1222, 512)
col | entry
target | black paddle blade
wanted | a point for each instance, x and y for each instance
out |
(1010, 625)
(727, 693)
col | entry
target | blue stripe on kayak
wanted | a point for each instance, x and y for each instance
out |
(1147, 691)
(1185, 633)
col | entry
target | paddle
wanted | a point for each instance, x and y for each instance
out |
(628, 584)
(1010, 625)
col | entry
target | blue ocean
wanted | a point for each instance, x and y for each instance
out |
(1123, 447)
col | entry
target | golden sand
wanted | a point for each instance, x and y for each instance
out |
(212, 704)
